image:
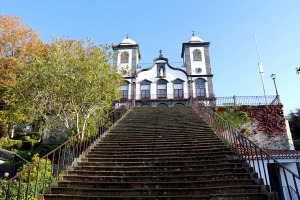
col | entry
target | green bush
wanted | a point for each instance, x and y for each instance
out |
(29, 144)
(43, 149)
(36, 180)
(10, 144)
(233, 114)
(35, 135)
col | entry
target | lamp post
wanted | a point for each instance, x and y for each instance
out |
(273, 76)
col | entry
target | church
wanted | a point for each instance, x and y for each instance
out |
(162, 84)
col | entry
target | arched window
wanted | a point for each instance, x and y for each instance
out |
(197, 55)
(124, 57)
(178, 88)
(200, 87)
(162, 89)
(124, 90)
(145, 89)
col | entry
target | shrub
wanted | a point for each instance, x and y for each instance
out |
(36, 180)
(29, 144)
(10, 144)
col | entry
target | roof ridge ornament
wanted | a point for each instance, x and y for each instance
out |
(160, 53)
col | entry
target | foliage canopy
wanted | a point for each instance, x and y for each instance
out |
(73, 82)
(17, 43)
(294, 122)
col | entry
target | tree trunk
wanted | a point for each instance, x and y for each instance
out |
(5, 130)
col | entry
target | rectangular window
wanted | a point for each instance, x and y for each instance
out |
(145, 91)
(200, 88)
(161, 91)
(178, 91)
(124, 92)
(200, 92)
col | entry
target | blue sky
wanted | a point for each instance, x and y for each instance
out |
(229, 26)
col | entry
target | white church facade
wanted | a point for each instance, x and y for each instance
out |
(161, 83)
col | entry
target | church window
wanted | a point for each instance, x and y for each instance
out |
(178, 90)
(162, 89)
(124, 91)
(197, 55)
(145, 91)
(124, 57)
(200, 88)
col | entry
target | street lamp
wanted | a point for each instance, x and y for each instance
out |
(273, 76)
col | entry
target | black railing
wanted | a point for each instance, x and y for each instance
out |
(36, 179)
(292, 191)
(209, 99)
(239, 100)
(273, 173)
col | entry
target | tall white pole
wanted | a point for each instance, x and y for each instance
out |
(261, 70)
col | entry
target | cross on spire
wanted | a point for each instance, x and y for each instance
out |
(127, 35)
(160, 53)
(193, 33)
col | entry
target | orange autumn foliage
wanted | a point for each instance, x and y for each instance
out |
(17, 43)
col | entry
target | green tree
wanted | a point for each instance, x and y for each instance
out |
(74, 83)
(294, 122)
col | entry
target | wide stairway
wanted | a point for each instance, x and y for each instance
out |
(160, 153)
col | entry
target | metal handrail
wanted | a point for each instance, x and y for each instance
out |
(209, 99)
(246, 100)
(36, 179)
(273, 173)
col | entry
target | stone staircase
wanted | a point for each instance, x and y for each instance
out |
(160, 153)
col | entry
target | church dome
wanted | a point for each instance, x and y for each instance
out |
(195, 39)
(127, 41)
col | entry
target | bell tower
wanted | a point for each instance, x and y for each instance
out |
(195, 54)
(126, 57)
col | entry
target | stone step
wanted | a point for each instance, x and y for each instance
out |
(159, 177)
(163, 163)
(154, 192)
(160, 140)
(157, 184)
(203, 155)
(141, 151)
(155, 129)
(139, 197)
(171, 137)
(197, 158)
(186, 142)
(149, 154)
(162, 147)
(170, 171)
(241, 196)
(155, 167)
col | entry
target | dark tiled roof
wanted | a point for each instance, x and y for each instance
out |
(284, 154)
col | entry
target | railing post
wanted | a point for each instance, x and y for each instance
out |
(234, 100)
